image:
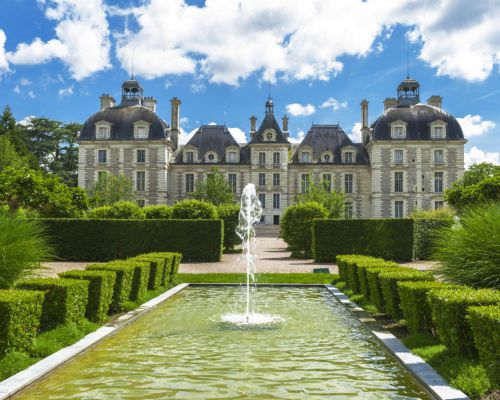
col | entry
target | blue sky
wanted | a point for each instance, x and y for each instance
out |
(323, 56)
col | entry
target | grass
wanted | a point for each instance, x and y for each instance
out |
(306, 278)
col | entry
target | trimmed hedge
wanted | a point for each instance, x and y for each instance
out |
(414, 304)
(101, 285)
(363, 277)
(485, 324)
(171, 261)
(230, 214)
(20, 313)
(106, 240)
(449, 308)
(374, 287)
(386, 238)
(65, 300)
(156, 269)
(424, 231)
(389, 285)
(140, 280)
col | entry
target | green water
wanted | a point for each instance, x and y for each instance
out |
(179, 351)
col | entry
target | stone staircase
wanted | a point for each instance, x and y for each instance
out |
(262, 230)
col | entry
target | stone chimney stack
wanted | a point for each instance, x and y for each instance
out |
(107, 101)
(285, 125)
(436, 101)
(150, 102)
(175, 116)
(253, 125)
(390, 102)
(365, 130)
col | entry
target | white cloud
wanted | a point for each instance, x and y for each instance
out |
(4, 64)
(334, 104)
(298, 138)
(296, 109)
(17, 90)
(238, 134)
(355, 134)
(31, 94)
(185, 136)
(25, 82)
(66, 91)
(26, 120)
(184, 120)
(473, 125)
(81, 42)
(476, 156)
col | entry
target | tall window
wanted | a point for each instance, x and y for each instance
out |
(348, 157)
(141, 156)
(276, 200)
(140, 181)
(276, 158)
(102, 156)
(262, 158)
(262, 179)
(398, 209)
(348, 210)
(398, 156)
(438, 205)
(439, 156)
(232, 182)
(327, 182)
(189, 183)
(348, 183)
(398, 182)
(398, 132)
(306, 157)
(262, 199)
(189, 157)
(232, 157)
(141, 132)
(304, 183)
(276, 179)
(102, 133)
(438, 132)
(438, 182)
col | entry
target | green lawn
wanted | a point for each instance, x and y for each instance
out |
(309, 278)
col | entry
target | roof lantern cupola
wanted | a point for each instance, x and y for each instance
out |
(132, 92)
(269, 106)
(408, 92)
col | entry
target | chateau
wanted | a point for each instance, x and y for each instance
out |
(407, 158)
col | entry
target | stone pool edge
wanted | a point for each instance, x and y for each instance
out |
(428, 377)
(14, 384)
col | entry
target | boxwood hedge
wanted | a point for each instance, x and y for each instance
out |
(389, 285)
(140, 280)
(386, 238)
(449, 308)
(20, 312)
(424, 231)
(106, 240)
(485, 324)
(362, 275)
(65, 300)
(101, 285)
(156, 269)
(374, 287)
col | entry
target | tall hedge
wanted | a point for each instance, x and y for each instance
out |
(230, 213)
(106, 240)
(20, 312)
(385, 238)
(140, 281)
(424, 231)
(363, 277)
(156, 269)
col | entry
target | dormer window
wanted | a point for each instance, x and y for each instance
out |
(232, 155)
(398, 132)
(141, 130)
(438, 132)
(102, 130)
(348, 157)
(269, 135)
(189, 157)
(305, 157)
(326, 157)
(211, 157)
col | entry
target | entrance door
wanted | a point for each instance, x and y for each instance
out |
(276, 219)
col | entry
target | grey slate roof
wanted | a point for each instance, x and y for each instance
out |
(269, 122)
(330, 138)
(122, 120)
(418, 117)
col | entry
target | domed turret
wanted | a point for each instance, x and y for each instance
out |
(408, 92)
(132, 93)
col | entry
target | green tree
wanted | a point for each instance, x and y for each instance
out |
(109, 189)
(215, 189)
(333, 201)
(15, 134)
(9, 157)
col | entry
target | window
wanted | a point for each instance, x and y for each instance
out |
(262, 179)
(327, 182)
(262, 219)
(439, 156)
(189, 183)
(438, 132)
(398, 182)
(398, 209)
(232, 182)
(438, 205)
(305, 180)
(141, 133)
(348, 157)
(305, 157)
(189, 157)
(141, 156)
(232, 157)
(140, 181)
(211, 157)
(438, 182)
(276, 179)
(348, 210)
(102, 132)
(276, 158)
(269, 136)
(348, 183)
(141, 203)
(262, 199)
(262, 158)
(102, 156)
(398, 156)
(398, 132)
(276, 200)
(326, 158)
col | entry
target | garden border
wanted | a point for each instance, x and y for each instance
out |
(419, 369)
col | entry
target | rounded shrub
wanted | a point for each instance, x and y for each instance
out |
(160, 211)
(229, 213)
(296, 226)
(119, 210)
(194, 209)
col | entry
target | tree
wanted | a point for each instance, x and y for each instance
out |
(333, 201)
(215, 189)
(8, 154)
(109, 189)
(12, 131)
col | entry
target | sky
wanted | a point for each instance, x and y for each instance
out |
(321, 58)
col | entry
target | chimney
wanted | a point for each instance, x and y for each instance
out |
(365, 130)
(253, 125)
(285, 125)
(436, 101)
(175, 103)
(107, 101)
(390, 102)
(150, 102)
